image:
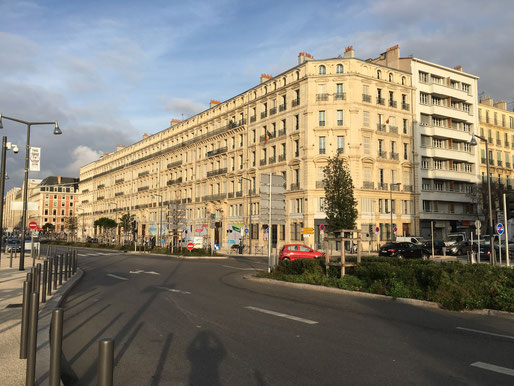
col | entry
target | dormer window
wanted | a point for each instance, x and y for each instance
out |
(322, 70)
(339, 69)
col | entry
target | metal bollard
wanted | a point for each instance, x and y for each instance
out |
(56, 263)
(67, 267)
(50, 272)
(45, 277)
(56, 346)
(61, 263)
(33, 273)
(31, 350)
(10, 260)
(105, 362)
(25, 312)
(38, 282)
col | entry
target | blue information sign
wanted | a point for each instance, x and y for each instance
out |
(500, 229)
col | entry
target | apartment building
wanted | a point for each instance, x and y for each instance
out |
(11, 217)
(288, 125)
(446, 108)
(496, 125)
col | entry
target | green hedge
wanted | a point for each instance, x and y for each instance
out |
(453, 285)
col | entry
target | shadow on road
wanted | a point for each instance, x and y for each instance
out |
(205, 354)
(162, 360)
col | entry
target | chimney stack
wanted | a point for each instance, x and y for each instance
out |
(265, 77)
(145, 135)
(458, 68)
(59, 180)
(174, 121)
(349, 52)
(304, 57)
(213, 103)
(500, 105)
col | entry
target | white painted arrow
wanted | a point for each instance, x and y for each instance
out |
(141, 271)
(116, 276)
(175, 290)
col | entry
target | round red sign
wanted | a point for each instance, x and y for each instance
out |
(33, 225)
(190, 246)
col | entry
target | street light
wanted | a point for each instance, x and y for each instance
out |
(57, 131)
(160, 218)
(249, 213)
(473, 142)
(5, 146)
(391, 205)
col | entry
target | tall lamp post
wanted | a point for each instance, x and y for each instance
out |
(391, 206)
(473, 142)
(160, 217)
(57, 131)
(249, 213)
(116, 217)
(5, 146)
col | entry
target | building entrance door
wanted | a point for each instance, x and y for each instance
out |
(217, 231)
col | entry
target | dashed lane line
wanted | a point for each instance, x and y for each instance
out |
(497, 369)
(281, 315)
(485, 332)
(175, 290)
(116, 276)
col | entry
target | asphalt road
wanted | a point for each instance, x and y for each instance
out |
(199, 322)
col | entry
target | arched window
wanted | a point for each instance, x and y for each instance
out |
(379, 74)
(284, 81)
(322, 70)
(390, 77)
(403, 80)
(339, 69)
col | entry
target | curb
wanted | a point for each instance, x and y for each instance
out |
(414, 302)
(43, 333)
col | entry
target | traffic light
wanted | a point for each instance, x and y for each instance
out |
(76, 184)
(134, 226)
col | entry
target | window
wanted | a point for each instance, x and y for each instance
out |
(404, 126)
(403, 80)
(423, 77)
(390, 77)
(368, 206)
(340, 144)
(297, 122)
(321, 118)
(405, 151)
(339, 69)
(379, 74)
(365, 119)
(322, 70)
(296, 147)
(339, 90)
(367, 145)
(423, 98)
(340, 117)
(321, 204)
(322, 145)
(367, 174)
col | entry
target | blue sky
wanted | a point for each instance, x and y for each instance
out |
(110, 71)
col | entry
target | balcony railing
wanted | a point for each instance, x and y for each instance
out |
(282, 107)
(119, 181)
(230, 195)
(499, 163)
(405, 106)
(272, 111)
(322, 150)
(368, 185)
(395, 156)
(174, 164)
(263, 162)
(215, 197)
(85, 191)
(380, 101)
(483, 160)
(142, 174)
(498, 142)
(269, 136)
(322, 123)
(264, 114)
(382, 186)
(381, 127)
(143, 188)
(295, 187)
(281, 157)
(295, 102)
(100, 186)
(239, 194)
(100, 198)
(320, 184)
(366, 98)
(272, 160)
(382, 154)
(393, 129)
(253, 119)
(322, 97)
(392, 103)
(117, 194)
(216, 172)
(507, 164)
(175, 181)
(340, 96)
(407, 188)
(507, 144)
(220, 150)
(281, 132)
(395, 187)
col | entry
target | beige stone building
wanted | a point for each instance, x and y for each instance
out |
(288, 125)
(11, 217)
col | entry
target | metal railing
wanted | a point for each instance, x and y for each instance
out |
(282, 107)
(393, 129)
(366, 98)
(295, 187)
(405, 106)
(272, 111)
(393, 103)
(340, 96)
(295, 102)
(380, 101)
(174, 164)
(381, 127)
(281, 157)
(214, 152)
(175, 181)
(264, 114)
(216, 172)
(322, 97)
(368, 185)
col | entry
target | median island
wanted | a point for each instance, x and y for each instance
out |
(454, 286)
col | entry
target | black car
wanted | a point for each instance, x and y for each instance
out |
(404, 250)
(438, 246)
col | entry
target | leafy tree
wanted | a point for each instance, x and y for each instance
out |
(340, 203)
(49, 227)
(105, 223)
(70, 223)
(126, 222)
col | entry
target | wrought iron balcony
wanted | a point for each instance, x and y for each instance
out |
(392, 103)
(175, 181)
(142, 174)
(272, 111)
(340, 96)
(322, 97)
(393, 129)
(100, 186)
(281, 157)
(119, 181)
(322, 150)
(239, 194)
(366, 98)
(263, 162)
(282, 107)
(405, 106)
(174, 164)
(216, 172)
(220, 150)
(380, 101)
(295, 187)
(295, 102)
(253, 119)
(395, 156)
(381, 127)
(272, 160)
(382, 186)
(143, 188)
(408, 188)
(382, 154)
(117, 194)
(264, 114)
(281, 132)
(368, 185)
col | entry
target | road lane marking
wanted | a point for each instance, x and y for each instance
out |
(295, 318)
(242, 269)
(485, 332)
(116, 276)
(175, 290)
(497, 369)
(138, 271)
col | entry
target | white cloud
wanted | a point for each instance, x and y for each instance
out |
(81, 156)
(179, 106)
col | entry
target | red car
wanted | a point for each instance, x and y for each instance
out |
(298, 251)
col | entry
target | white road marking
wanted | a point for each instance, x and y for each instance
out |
(116, 276)
(175, 290)
(138, 271)
(295, 318)
(242, 269)
(485, 332)
(497, 369)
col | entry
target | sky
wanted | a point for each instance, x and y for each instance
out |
(109, 71)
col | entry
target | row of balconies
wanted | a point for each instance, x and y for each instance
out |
(216, 172)
(383, 128)
(214, 152)
(370, 185)
(324, 97)
(392, 155)
(174, 164)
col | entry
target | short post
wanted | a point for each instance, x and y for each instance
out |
(33, 275)
(56, 346)
(56, 263)
(31, 357)
(61, 266)
(105, 362)
(25, 313)
(45, 277)
(66, 262)
(10, 260)
(38, 283)
(50, 271)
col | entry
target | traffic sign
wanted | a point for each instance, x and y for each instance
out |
(500, 229)
(377, 229)
(32, 225)
(322, 227)
(478, 224)
(190, 246)
(395, 229)
(246, 230)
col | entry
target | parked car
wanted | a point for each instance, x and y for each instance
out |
(298, 251)
(438, 246)
(404, 250)
(460, 248)
(12, 244)
(409, 239)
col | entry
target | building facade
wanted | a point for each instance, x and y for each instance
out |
(446, 110)
(11, 217)
(287, 125)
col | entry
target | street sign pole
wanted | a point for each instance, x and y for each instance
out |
(506, 231)
(500, 230)
(269, 225)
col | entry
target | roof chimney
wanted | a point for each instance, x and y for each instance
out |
(145, 135)
(488, 101)
(458, 68)
(174, 121)
(213, 103)
(265, 77)
(349, 52)
(304, 57)
(500, 105)
(59, 180)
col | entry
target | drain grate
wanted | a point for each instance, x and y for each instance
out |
(14, 305)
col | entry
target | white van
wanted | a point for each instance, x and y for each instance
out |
(410, 239)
